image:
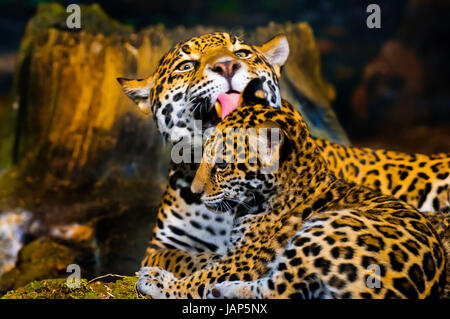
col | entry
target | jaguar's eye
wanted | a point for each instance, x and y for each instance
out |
(185, 66)
(243, 54)
(222, 165)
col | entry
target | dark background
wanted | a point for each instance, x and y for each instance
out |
(392, 83)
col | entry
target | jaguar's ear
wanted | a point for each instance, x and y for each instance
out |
(138, 91)
(270, 142)
(254, 93)
(276, 51)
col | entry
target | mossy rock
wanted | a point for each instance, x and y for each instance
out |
(58, 289)
(40, 259)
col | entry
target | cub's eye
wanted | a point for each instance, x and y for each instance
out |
(243, 54)
(221, 166)
(185, 66)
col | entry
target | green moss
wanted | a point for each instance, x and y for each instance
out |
(58, 289)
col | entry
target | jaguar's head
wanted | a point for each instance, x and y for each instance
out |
(198, 82)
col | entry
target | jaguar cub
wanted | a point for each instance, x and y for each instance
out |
(315, 236)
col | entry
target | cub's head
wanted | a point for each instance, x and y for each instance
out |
(250, 152)
(198, 81)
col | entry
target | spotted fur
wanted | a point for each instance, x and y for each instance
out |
(420, 180)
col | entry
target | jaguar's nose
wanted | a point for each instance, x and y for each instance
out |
(226, 69)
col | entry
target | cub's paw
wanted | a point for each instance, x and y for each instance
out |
(154, 282)
(232, 290)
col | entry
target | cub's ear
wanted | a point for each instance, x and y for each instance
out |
(201, 178)
(138, 91)
(271, 139)
(276, 51)
(254, 93)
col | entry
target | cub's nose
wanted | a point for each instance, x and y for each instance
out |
(226, 69)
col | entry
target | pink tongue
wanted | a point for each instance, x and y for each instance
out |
(229, 103)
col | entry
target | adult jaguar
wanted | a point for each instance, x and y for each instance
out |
(200, 80)
(317, 236)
